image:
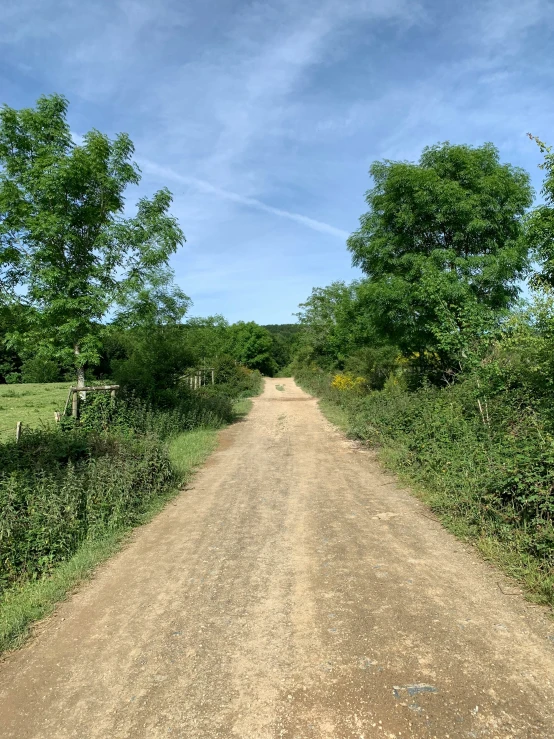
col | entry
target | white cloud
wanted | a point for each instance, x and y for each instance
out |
(503, 24)
(263, 111)
(207, 187)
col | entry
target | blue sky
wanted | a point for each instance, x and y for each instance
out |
(263, 117)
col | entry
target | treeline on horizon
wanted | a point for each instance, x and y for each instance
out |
(143, 357)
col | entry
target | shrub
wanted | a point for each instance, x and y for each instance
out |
(40, 369)
(484, 458)
(58, 488)
(345, 382)
(173, 412)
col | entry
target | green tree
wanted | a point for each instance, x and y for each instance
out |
(443, 247)
(152, 361)
(206, 338)
(152, 300)
(285, 341)
(541, 221)
(10, 360)
(330, 325)
(63, 233)
(251, 345)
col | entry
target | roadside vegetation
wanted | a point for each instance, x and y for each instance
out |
(86, 297)
(434, 359)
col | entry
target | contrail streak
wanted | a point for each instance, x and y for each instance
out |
(207, 187)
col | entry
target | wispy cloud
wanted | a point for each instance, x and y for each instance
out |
(168, 174)
(260, 112)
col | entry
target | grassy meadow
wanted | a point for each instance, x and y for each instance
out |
(33, 404)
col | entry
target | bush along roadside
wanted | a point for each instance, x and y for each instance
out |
(69, 494)
(485, 467)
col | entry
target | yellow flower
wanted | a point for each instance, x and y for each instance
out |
(344, 381)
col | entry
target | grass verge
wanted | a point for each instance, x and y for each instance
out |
(242, 407)
(507, 554)
(335, 414)
(27, 603)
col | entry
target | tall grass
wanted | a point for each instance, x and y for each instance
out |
(34, 598)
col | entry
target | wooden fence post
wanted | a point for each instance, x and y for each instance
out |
(18, 431)
(75, 405)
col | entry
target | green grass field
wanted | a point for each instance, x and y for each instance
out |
(33, 404)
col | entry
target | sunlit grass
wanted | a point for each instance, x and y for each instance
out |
(33, 404)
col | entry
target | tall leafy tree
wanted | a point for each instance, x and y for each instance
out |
(251, 345)
(285, 338)
(151, 300)
(329, 320)
(442, 246)
(63, 231)
(541, 221)
(206, 338)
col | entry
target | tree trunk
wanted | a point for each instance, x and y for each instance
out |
(80, 370)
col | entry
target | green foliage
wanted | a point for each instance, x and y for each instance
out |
(374, 363)
(13, 317)
(285, 342)
(63, 234)
(233, 380)
(40, 369)
(441, 367)
(74, 482)
(443, 247)
(206, 338)
(50, 501)
(482, 452)
(152, 301)
(172, 412)
(541, 221)
(149, 361)
(252, 346)
(329, 325)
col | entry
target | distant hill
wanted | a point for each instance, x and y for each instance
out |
(287, 329)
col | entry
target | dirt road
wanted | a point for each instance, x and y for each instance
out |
(294, 590)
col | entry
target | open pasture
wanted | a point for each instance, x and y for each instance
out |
(32, 403)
